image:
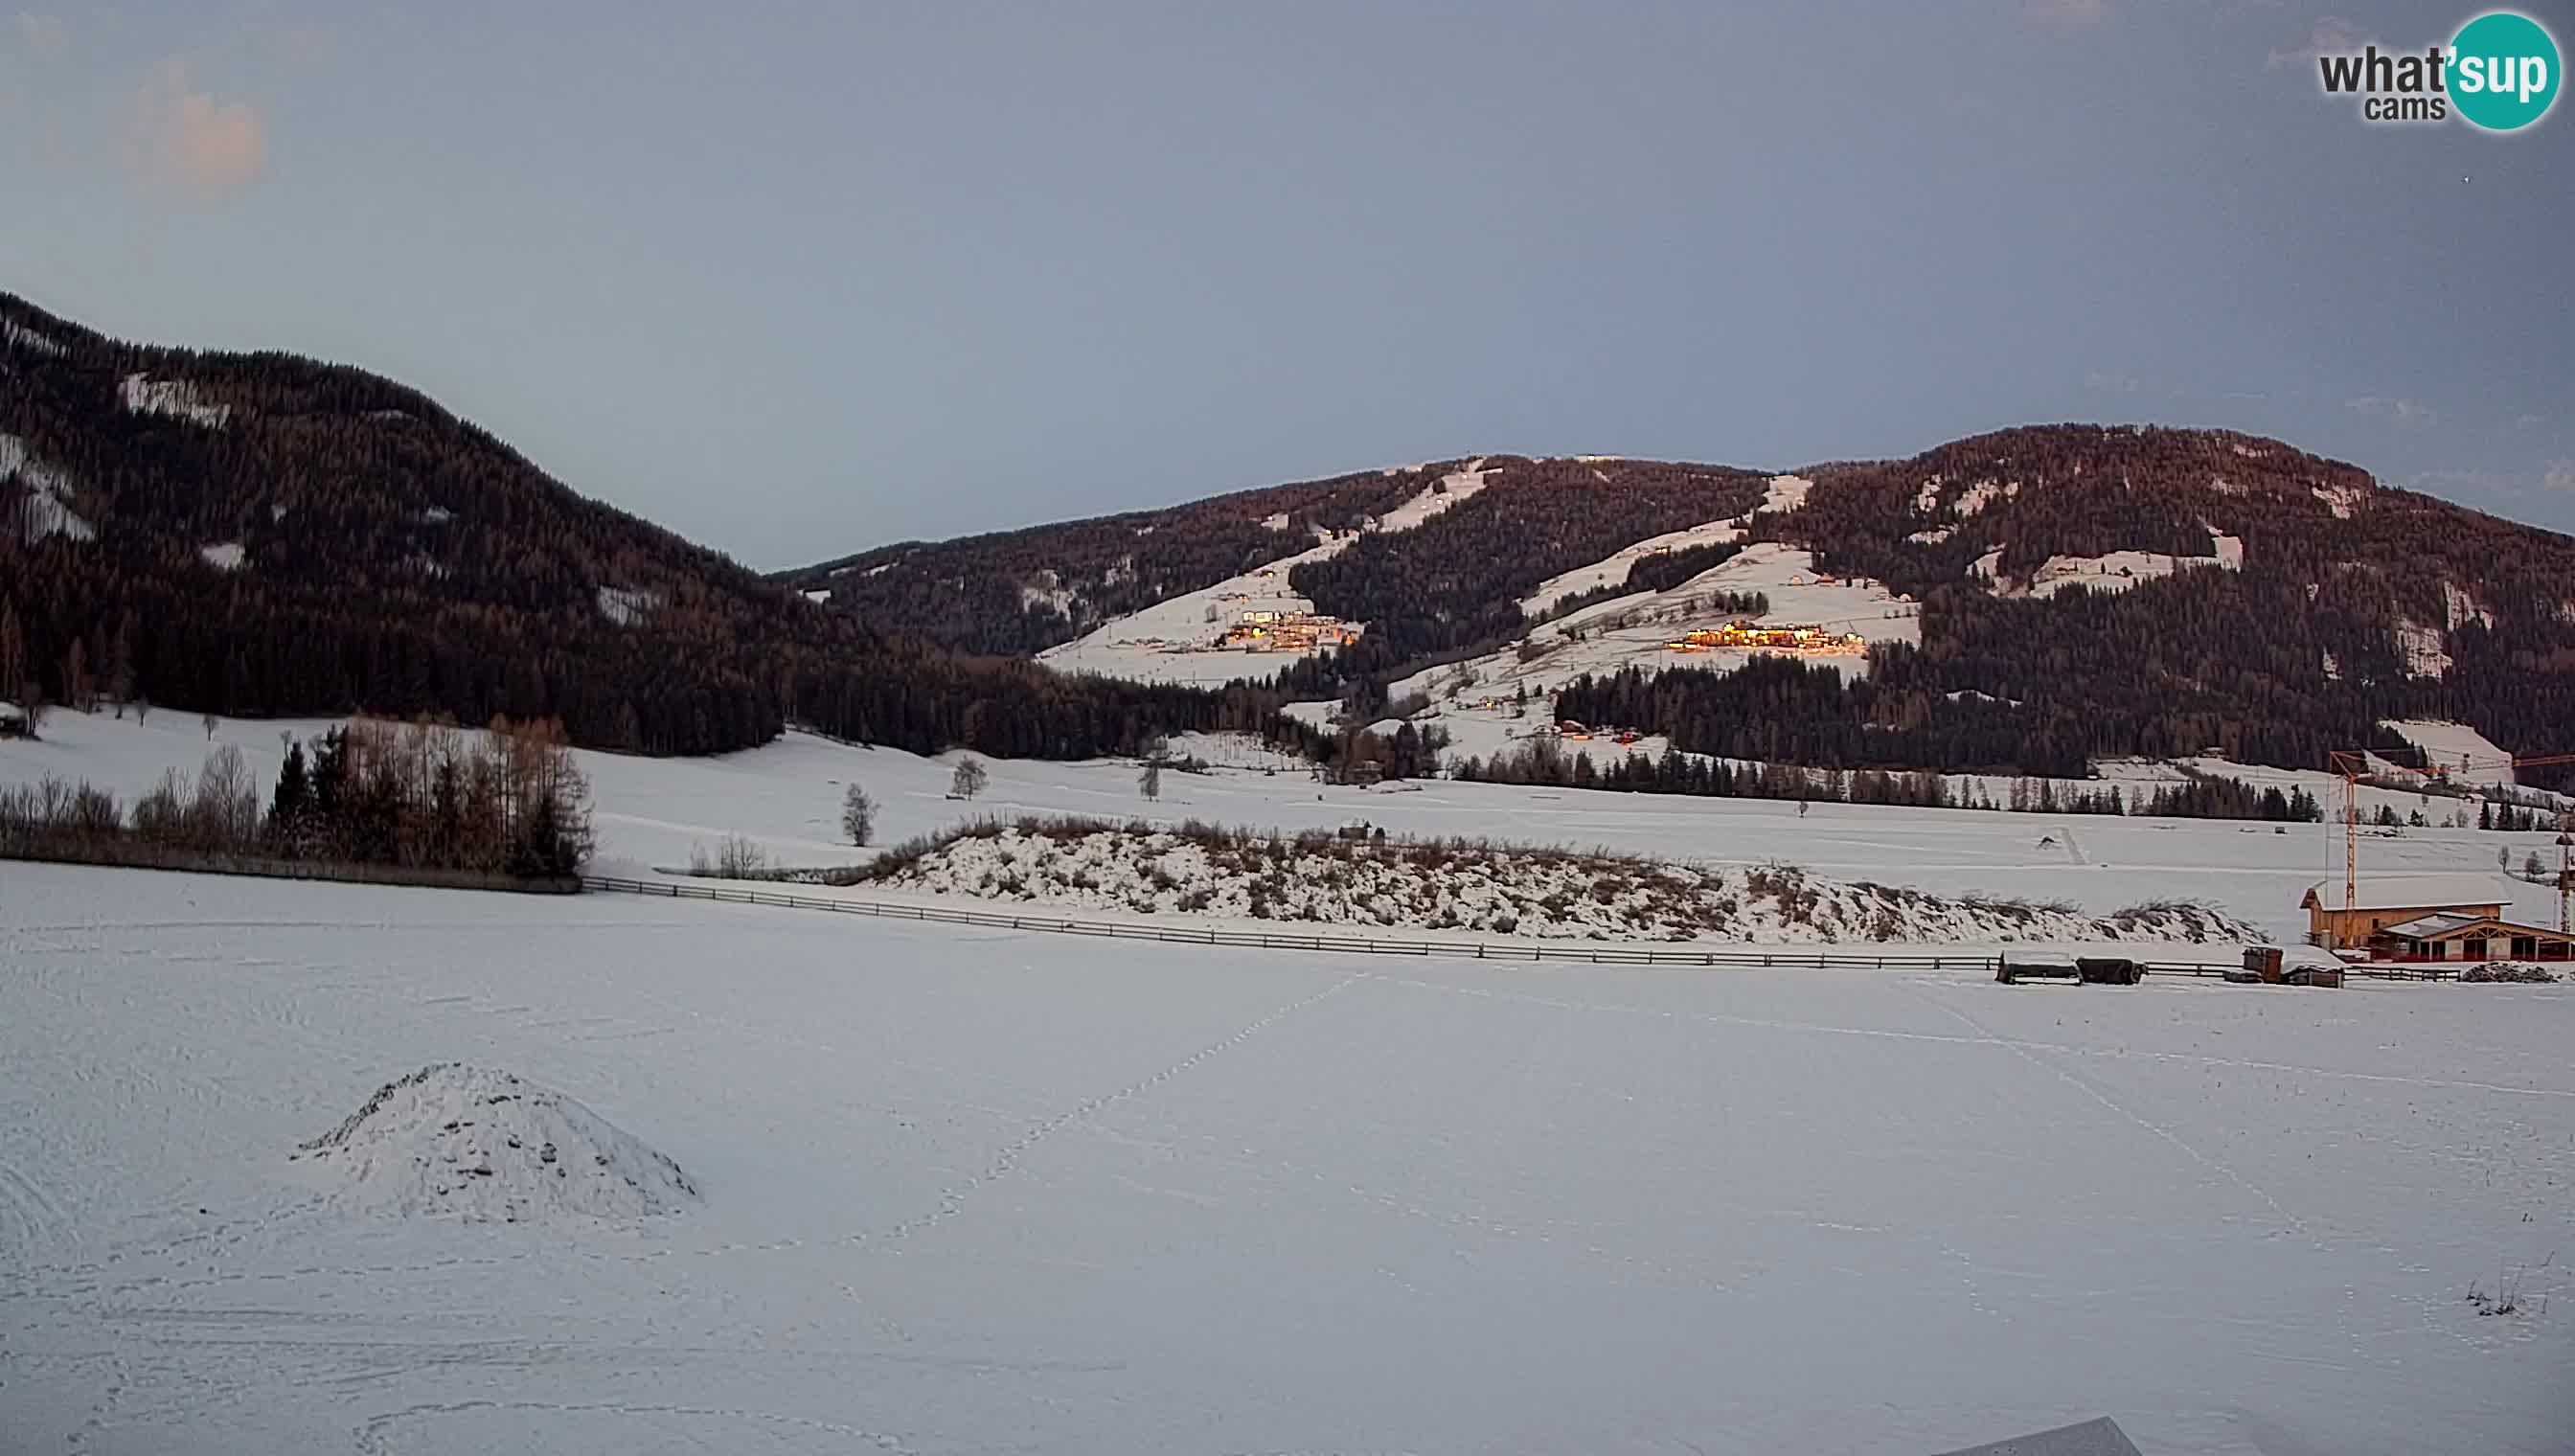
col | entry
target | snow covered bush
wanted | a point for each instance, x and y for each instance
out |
(1477, 885)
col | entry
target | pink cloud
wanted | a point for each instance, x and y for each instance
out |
(187, 142)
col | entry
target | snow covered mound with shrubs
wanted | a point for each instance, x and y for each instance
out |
(478, 1144)
(1362, 879)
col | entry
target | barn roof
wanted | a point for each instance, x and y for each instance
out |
(2410, 891)
(2433, 927)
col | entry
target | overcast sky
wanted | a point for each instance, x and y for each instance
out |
(796, 279)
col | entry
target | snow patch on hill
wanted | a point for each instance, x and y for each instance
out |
(468, 1142)
(1977, 496)
(1319, 878)
(175, 398)
(19, 336)
(2455, 743)
(1452, 490)
(1612, 569)
(623, 607)
(2120, 569)
(49, 494)
(1785, 494)
(1934, 537)
(1168, 640)
(1633, 630)
(2424, 650)
(2461, 606)
(222, 556)
(2343, 501)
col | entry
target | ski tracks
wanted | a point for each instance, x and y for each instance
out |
(952, 1200)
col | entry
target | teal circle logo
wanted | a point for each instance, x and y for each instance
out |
(2503, 71)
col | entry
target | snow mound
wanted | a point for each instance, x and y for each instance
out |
(484, 1145)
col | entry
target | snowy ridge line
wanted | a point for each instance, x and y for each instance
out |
(1584, 952)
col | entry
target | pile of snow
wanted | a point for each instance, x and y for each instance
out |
(483, 1145)
(222, 556)
(1427, 885)
(175, 398)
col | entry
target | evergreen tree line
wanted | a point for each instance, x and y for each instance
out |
(1542, 760)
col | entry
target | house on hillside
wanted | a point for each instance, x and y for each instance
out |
(2393, 899)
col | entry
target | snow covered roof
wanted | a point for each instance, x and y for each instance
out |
(2409, 891)
(2429, 926)
(2433, 927)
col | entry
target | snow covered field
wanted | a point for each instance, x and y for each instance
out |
(974, 1192)
(787, 794)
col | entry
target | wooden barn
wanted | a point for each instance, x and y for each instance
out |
(2394, 899)
(2457, 936)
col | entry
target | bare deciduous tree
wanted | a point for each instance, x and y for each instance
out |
(858, 815)
(969, 780)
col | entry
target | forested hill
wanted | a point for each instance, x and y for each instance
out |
(2084, 591)
(1024, 591)
(2308, 605)
(261, 534)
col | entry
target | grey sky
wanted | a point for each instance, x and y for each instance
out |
(800, 278)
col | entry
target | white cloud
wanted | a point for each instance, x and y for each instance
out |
(2332, 36)
(2110, 381)
(2070, 14)
(2530, 421)
(44, 36)
(2402, 411)
(184, 141)
(2560, 477)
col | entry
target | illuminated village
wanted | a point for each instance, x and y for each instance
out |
(1289, 631)
(1739, 634)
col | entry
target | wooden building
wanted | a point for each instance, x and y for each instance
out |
(2453, 936)
(2393, 899)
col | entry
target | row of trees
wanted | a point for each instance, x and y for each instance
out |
(508, 800)
(1543, 761)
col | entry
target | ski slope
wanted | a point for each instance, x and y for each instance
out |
(786, 797)
(977, 1191)
(1169, 642)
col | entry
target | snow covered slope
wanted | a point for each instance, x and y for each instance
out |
(985, 1192)
(1613, 569)
(1169, 642)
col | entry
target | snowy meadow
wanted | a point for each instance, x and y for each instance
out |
(960, 1191)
